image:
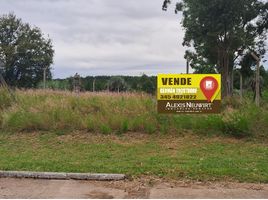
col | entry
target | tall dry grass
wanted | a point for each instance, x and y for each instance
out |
(57, 110)
(105, 112)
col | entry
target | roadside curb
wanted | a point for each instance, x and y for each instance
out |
(62, 175)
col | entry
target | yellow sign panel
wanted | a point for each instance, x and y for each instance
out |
(189, 93)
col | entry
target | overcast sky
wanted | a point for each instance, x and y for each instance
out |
(106, 37)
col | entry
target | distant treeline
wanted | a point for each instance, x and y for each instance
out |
(142, 83)
(109, 83)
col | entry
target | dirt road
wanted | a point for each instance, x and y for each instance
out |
(139, 188)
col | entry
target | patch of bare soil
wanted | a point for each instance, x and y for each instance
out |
(145, 187)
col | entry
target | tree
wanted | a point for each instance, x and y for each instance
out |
(217, 29)
(24, 51)
(246, 66)
(117, 84)
(199, 64)
(147, 84)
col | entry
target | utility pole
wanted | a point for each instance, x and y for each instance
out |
(241, 86)
(94, 80)
(257, 89)
(187, 66)
(77, 83)
(45, 77)
(257, 101)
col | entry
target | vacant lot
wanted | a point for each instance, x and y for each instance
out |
(174, 157)
(108, 113)
(123, 133)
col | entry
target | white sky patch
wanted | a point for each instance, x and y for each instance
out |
(107, 37)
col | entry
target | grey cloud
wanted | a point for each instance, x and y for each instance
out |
(106, 37)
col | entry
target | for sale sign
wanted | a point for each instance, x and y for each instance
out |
(189, 93)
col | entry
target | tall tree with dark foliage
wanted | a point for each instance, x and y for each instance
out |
(218, 29)
(24, 52)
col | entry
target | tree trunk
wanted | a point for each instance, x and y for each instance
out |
(224, 73)
(241, 86)
(231, 71)
(232, 82)
(224, 66)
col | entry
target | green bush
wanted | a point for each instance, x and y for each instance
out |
(23, 121)
(105, 129)
(124, 126)
(237, 126)
(210, 124)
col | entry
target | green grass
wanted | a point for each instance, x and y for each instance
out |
(59, 131)
(173, 157)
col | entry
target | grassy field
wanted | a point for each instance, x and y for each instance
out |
(184, 157)
(119, 113)
(122, 133)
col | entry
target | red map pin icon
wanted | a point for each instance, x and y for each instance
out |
(209, 86)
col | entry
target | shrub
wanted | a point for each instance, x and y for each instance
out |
(105, 129)
(236, 125)
(210, 124)
(233, 102)
(23, 121)
(124, 126)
